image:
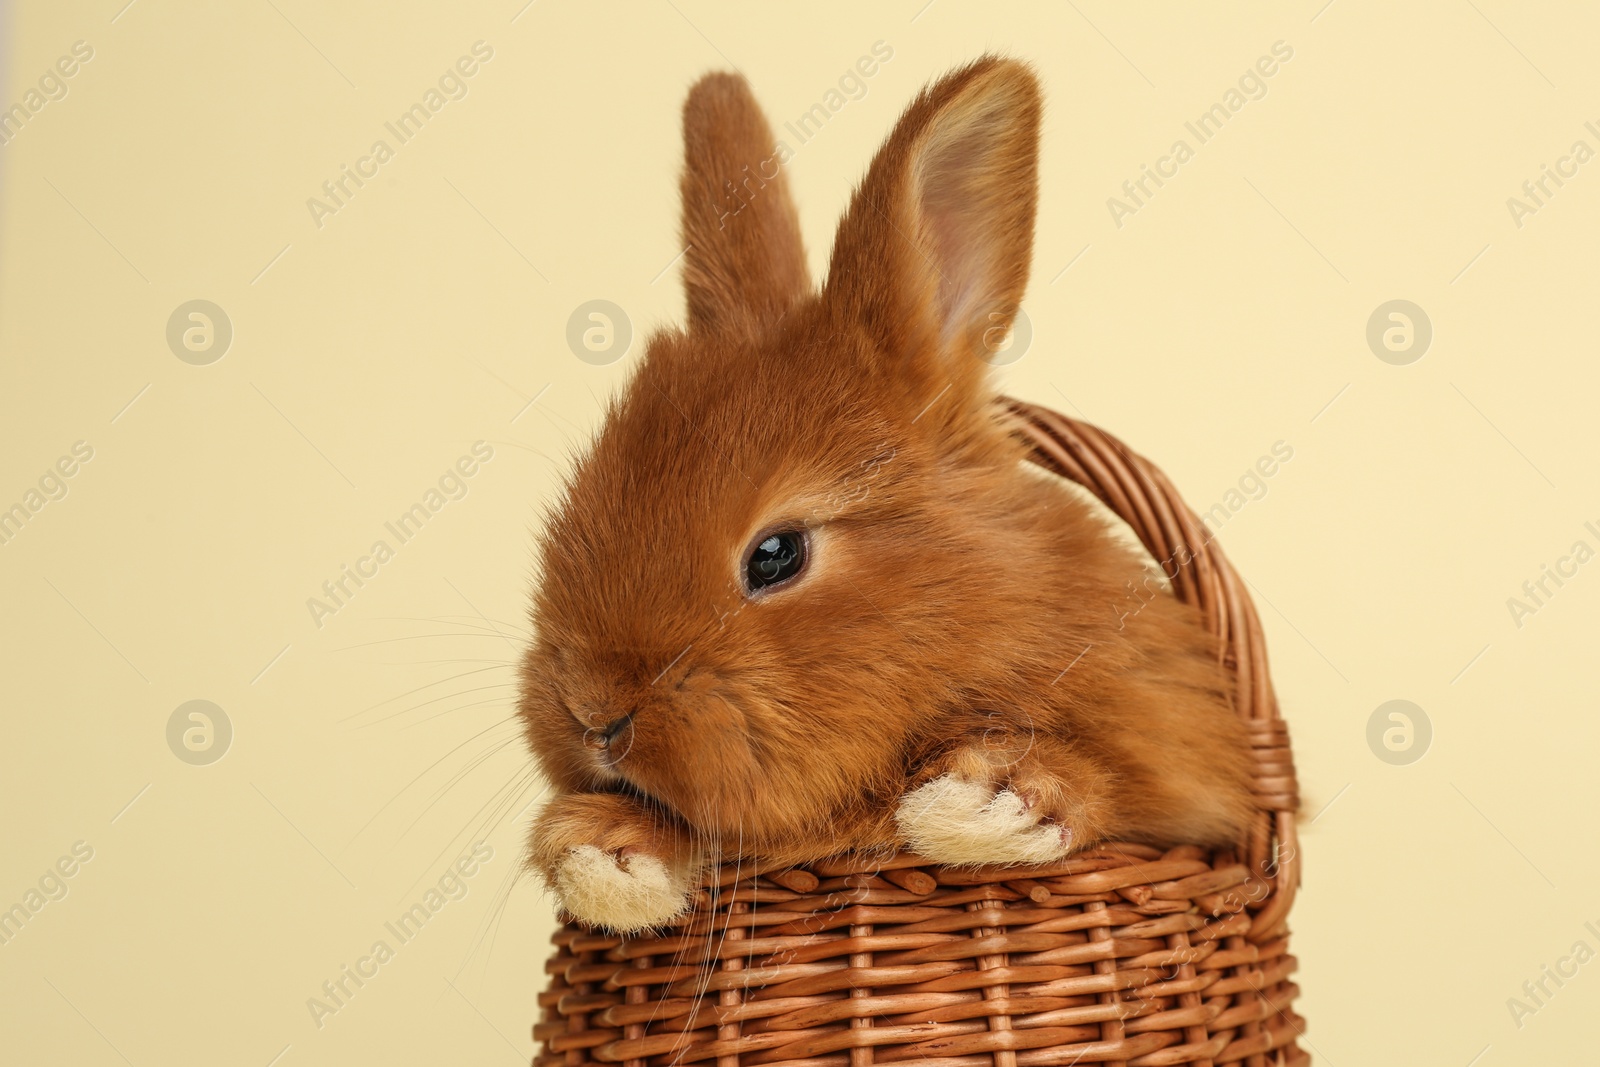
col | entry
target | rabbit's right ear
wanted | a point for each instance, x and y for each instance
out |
(744, 264)
(932, 257)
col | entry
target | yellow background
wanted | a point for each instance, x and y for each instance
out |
(1227, 314)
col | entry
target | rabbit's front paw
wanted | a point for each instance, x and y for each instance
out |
(956, 820)
(627, 891)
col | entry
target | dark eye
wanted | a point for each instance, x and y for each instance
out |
(776, 558)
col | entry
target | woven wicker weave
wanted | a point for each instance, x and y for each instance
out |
(1122, 954)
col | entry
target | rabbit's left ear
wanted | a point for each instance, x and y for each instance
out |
(745, 264)
(932, 257)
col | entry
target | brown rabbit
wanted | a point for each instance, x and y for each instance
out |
(804, 594)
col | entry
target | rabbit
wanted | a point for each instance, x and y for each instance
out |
(805, 595)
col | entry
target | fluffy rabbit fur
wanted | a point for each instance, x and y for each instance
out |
(960, 669)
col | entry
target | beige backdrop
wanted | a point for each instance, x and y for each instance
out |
(376, 340)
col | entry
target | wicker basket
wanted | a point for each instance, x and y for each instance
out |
(1122, 954)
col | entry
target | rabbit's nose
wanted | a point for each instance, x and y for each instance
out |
(600, 735)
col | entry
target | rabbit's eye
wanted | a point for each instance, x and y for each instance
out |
(775, 559)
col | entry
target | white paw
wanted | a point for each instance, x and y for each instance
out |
(633, 894)
(954, 820)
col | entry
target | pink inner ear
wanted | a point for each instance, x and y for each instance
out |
(964, 178)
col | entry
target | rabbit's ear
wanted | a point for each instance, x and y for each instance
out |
(933, 254)
(744, 263)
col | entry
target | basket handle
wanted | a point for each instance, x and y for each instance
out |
(1200, 574)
